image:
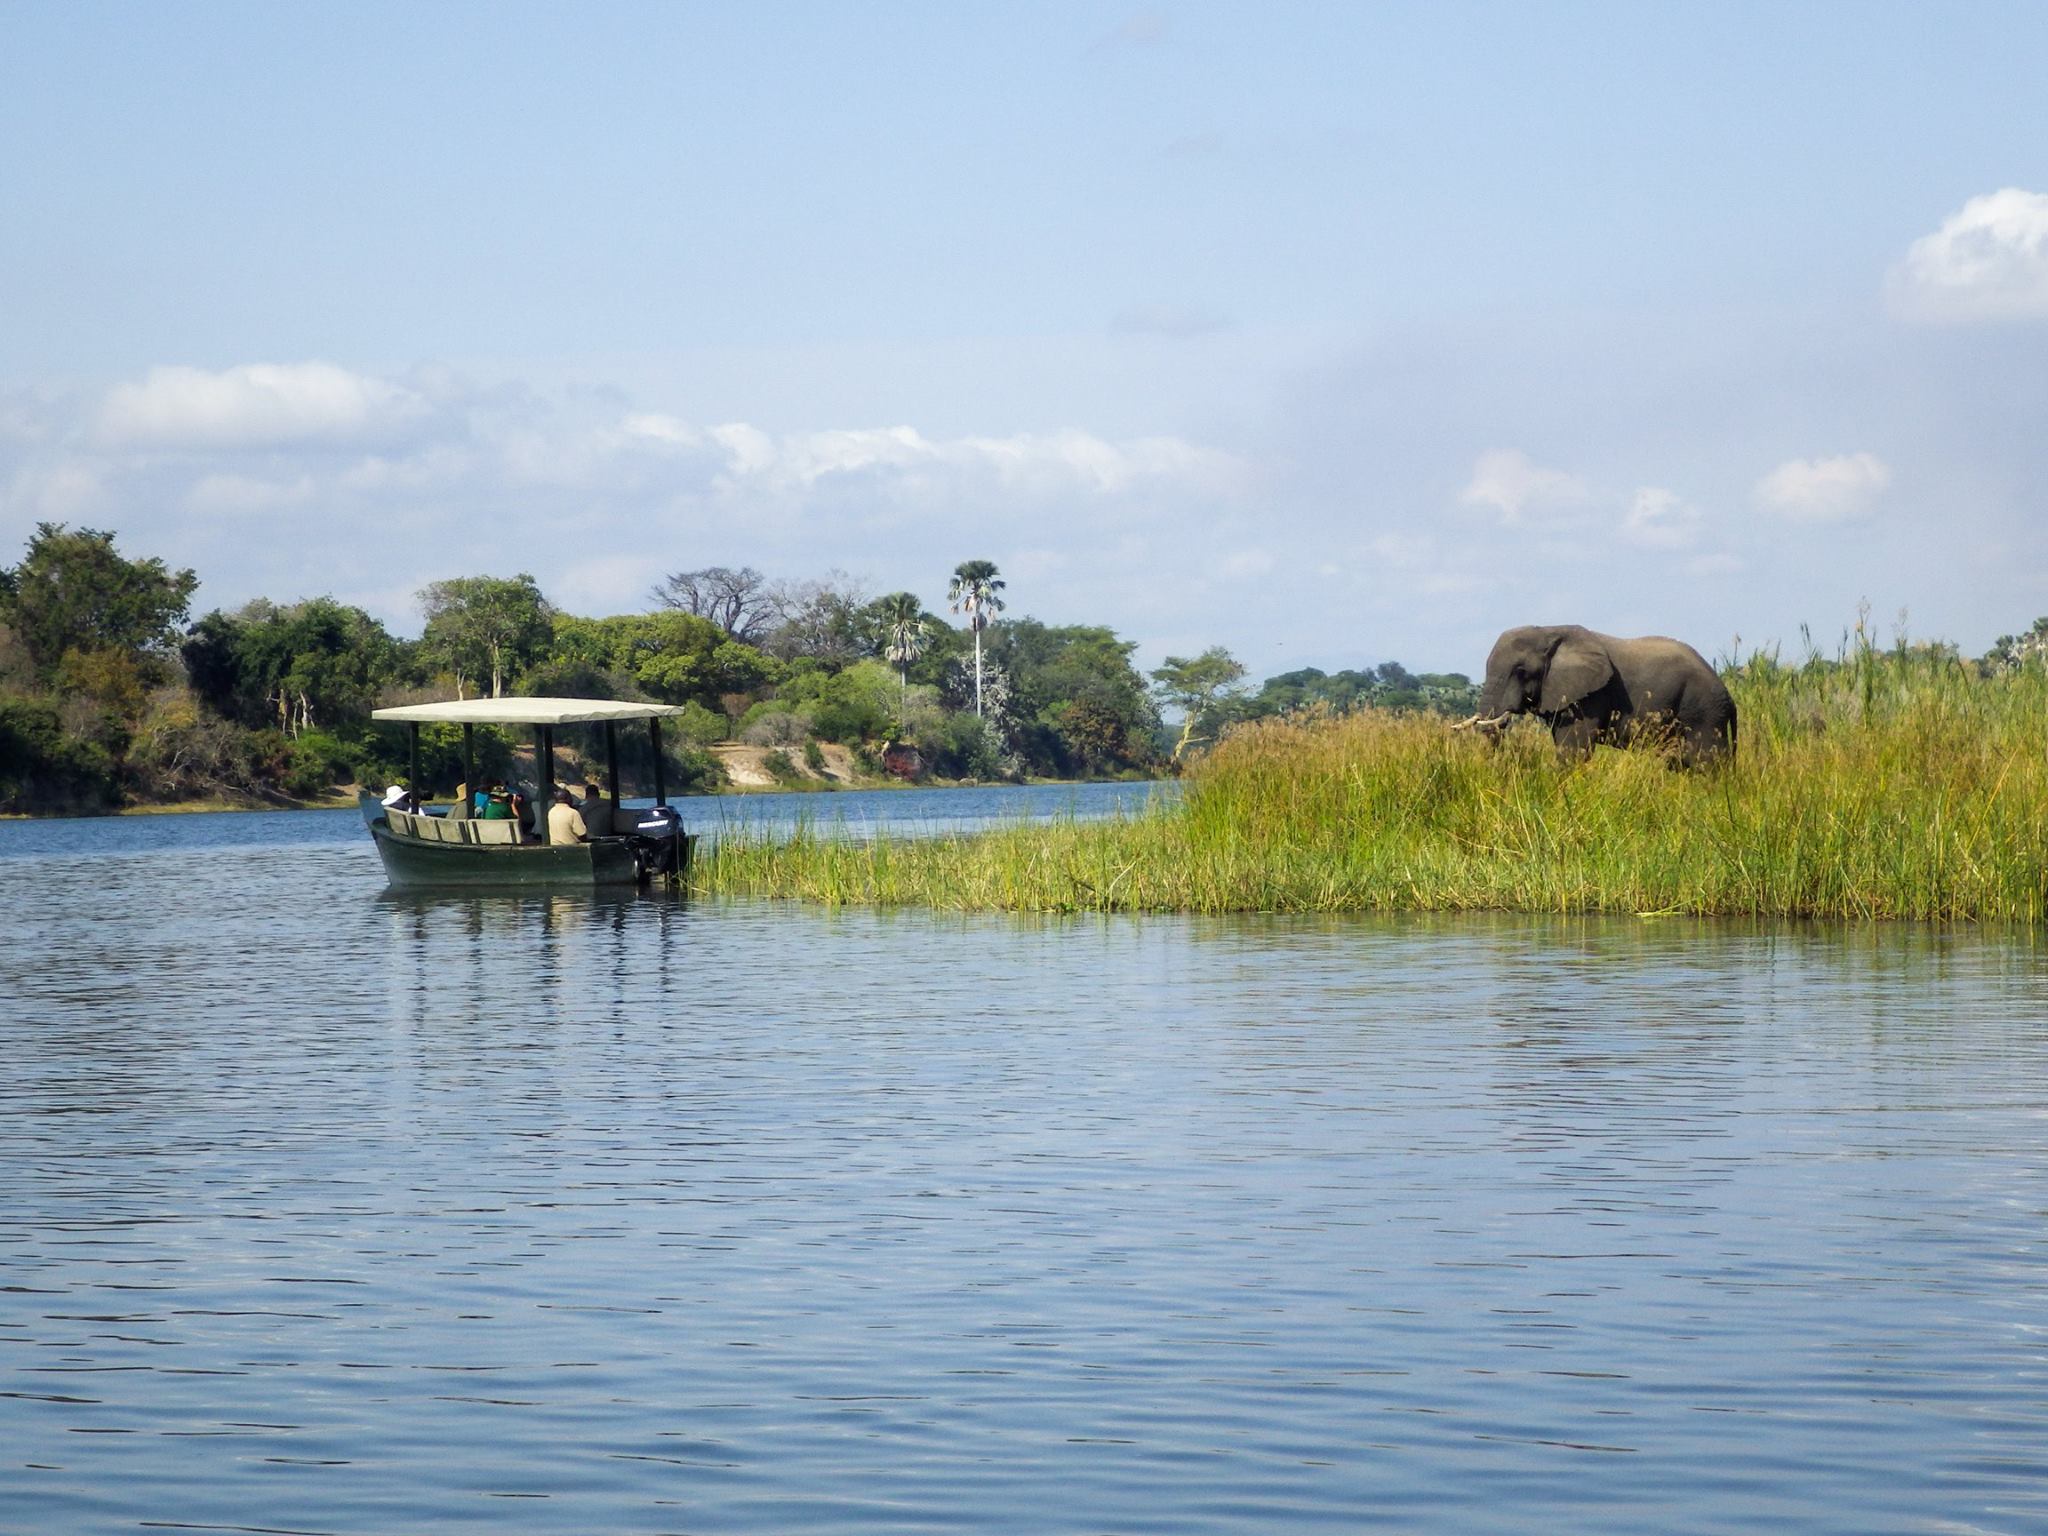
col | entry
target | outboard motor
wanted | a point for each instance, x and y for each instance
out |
(659, 846)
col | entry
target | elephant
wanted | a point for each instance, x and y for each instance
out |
(1591, 688)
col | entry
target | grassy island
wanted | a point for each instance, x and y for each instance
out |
(1904, 783)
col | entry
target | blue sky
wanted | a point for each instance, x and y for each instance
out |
(1329, 333)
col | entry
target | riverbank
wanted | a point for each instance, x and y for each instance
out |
(1887, 786)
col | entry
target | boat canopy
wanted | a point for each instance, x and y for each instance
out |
(525, 712)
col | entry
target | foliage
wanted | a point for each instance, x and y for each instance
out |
(966, 746)
(698, 726)
(814, 757)
(382, 754)
(1197, 686)
(903, 630)
(485, 628)
(670, 657)
(1386, 686)
(44, 768)
(770, 725)
(856, 704)
(182, 752)
(315, 663)
(1075, 704)
(780, 768)
(73, 591)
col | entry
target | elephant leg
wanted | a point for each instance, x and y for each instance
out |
(1705, 744)
(1575, 738)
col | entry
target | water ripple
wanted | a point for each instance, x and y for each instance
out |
(332, 1212)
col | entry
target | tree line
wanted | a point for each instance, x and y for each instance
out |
(110, 693)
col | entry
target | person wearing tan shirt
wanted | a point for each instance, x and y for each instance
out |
(565, 822)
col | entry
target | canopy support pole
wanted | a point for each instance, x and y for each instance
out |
(611, 764)
(660, 781)
(412, 777)
(547, 782)
(468, 807)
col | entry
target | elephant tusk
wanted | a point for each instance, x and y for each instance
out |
(1476, 723)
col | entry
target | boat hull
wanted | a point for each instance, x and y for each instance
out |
(413, 864)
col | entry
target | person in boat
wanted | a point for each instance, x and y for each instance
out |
(398, 798)
(596, 810)
(565, 822)
(498, 805)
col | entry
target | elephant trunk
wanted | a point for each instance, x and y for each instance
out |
(1494, 708)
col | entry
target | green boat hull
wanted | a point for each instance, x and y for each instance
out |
(412, 863)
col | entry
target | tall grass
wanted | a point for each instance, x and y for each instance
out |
(1883, 784)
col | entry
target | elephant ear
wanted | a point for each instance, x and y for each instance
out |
(1577, 667)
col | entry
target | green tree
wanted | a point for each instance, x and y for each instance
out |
(1195, 686)
(904, 635)
(313, 664)
(73, 591)
(973, 591)
(672, 656)
(1050, 667)
(482, 627)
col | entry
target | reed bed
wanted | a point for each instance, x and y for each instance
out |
(1888, 784)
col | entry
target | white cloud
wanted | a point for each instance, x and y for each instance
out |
(256, 404)
(233, 493)
(1988, 261)
(1659, 519)
(57, 492)
(1512, 483)
(1825, 490)
(747, 458)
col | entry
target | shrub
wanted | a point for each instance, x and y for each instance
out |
(698, 726)
(965, 747)
(44, 769)
(774, 728)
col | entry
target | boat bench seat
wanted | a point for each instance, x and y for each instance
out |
(443, 829)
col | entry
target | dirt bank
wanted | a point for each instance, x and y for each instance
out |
(746, 767)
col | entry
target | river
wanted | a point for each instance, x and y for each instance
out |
(329, 1211)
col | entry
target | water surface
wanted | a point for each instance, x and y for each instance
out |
(330, 1211)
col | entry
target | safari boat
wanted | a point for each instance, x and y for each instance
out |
(421, 850)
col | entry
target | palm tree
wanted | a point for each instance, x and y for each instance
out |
(973, 590)
(903, 618)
